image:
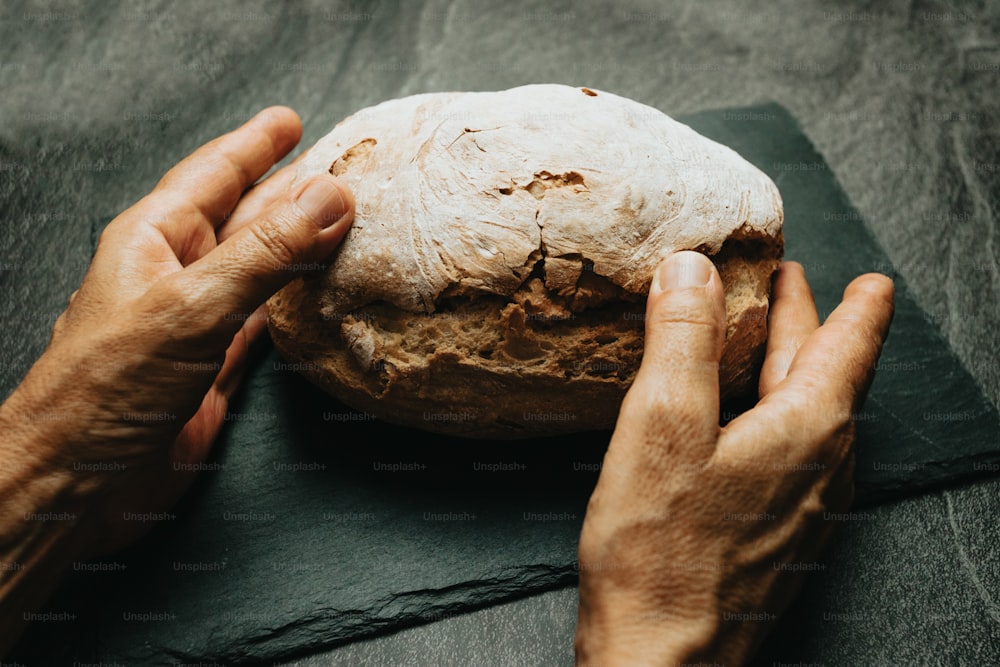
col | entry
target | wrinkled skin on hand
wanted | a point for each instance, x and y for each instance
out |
(688, 520)
(697, 536)
(141, 366)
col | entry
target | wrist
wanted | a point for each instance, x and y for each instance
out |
(40, 492)
(45, 420)
(617, 632)
(41, 513)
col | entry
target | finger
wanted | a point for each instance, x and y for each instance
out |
(192, 447)
(258, 199)
(205, 300)
(238, 354)
(791, 320)
(677, 386)
(303, 228)
(825, 384)
(196, 195)
(841, 355)
(213, 178)
(193, 443)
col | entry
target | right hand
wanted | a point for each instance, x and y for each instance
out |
(696, 536)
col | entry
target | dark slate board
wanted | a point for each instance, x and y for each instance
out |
(925, 422)
(306, 532)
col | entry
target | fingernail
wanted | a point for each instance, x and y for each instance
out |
(322, 199)
(684, 269)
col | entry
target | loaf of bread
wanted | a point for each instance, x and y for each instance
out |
(493, 284)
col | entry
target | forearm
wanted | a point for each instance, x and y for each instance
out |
(41, 510)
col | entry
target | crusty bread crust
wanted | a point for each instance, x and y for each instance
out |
(517, 309)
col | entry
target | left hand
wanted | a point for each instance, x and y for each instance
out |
(135, 383)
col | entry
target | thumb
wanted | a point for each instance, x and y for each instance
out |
(293, 235)
(685, 331)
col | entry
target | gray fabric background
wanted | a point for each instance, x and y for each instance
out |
(97, 99)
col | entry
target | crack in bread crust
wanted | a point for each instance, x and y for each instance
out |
(542, 362)
(493, 283)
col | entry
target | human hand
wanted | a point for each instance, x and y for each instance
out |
(110, 423)
(697, 535)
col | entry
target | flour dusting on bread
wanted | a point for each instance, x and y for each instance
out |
(502, 250)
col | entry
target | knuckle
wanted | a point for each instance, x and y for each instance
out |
(685, 311)
(662, 412)
(818, 402)
(841, 440)
(810, 403)
(642, 401)
(209, 165)
(273, 238)
(111, 233)
(232, 173)
(835, 436)
(182, 305)
(841, 426)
